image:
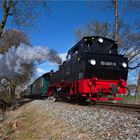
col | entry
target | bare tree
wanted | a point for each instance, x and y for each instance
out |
(11, 38)
(95, 28)
(115, 5)
(6, 12)
(138, 87)
(8, 85)
(21, 13)
(138, 82)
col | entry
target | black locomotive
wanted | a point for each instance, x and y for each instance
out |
(93, 70)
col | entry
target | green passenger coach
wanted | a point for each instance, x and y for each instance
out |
(39, 87)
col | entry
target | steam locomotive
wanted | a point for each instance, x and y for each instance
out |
(93, 70)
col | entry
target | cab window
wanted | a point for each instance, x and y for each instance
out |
(72, 53)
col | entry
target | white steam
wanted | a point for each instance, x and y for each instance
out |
(11, 63)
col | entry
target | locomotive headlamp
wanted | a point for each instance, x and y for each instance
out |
(124, 64)
(85, 39)
(93, 62)
(100, 40)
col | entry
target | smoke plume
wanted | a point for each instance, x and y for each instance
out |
(12, 61)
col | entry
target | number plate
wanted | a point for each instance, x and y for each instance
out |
(103, 63)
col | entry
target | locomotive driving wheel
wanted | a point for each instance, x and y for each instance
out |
(73, 99)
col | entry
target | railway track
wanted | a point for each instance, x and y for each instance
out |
(127, 107)
(133, 107)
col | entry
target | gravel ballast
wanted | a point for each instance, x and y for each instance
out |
(90, 122)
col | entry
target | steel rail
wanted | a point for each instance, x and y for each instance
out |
(135, 107)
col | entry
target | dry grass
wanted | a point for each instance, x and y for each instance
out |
(32, 122)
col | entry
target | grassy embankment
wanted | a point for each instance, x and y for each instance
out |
(32, 121)
(130, 100)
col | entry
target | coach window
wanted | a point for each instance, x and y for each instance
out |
(42, 82)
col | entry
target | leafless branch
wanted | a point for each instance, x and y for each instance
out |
(6, 9)
(137, 66)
